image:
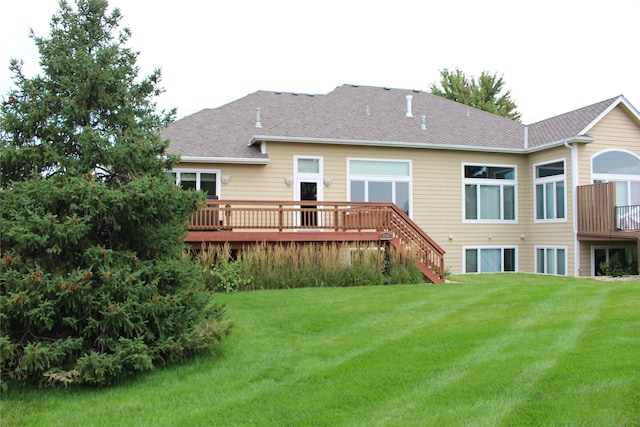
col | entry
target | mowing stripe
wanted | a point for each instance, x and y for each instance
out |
(497, 407)
(264, 382)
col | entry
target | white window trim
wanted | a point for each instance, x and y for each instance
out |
(555, 249)
(546, 180)
(502, 248)
(308, 177)
(199, 171)
(611, 177)
(382, 178)
(480, 181)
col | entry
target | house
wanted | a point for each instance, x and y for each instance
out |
(560, 196)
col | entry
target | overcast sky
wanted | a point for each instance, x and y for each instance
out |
(554, 55)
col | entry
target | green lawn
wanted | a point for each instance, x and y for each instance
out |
(489, 350)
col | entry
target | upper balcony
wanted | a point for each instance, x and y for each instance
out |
(598, 216)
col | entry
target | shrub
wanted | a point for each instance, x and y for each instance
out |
(93, 283)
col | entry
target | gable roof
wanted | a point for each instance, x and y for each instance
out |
(569, 125)
(367, 115)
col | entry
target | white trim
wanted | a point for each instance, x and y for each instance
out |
(317, 178)
(478, 248)
(490, 182)
(545, 180)
(198, 172)
(240, 160)
(364, 142)
(574, 207)
(424, 145)
(620, 100)
(579, 138)
(383, 178)
(555, 249)
(610, 176)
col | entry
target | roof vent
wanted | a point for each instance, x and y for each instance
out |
(423, 122)
(408, 113)
(258, 124)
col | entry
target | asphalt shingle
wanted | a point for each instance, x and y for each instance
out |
(363, 114)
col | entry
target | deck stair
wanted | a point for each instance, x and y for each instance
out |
(245, 222)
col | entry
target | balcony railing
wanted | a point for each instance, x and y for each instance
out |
(598, 213)
(288, 216)
(628, 218)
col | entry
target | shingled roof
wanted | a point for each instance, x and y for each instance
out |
(226, 131)
(568, 125)
(365, 115)
(368, 115)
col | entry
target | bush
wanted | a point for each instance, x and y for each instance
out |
(93, 284)
(87, 300)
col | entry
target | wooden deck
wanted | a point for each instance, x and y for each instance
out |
(240, 223)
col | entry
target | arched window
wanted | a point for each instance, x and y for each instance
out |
(623, 168)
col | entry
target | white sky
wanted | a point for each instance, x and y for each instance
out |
(555, 55)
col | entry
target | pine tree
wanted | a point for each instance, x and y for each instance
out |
(95, 284)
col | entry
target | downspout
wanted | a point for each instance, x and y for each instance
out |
(574, 204)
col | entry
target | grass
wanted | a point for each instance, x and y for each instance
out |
(490, 350)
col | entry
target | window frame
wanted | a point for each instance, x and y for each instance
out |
(555, 250)
(198, 171)
(479, 249)
(393, 179)
(616, 177)
(490, 182)
(552, 179)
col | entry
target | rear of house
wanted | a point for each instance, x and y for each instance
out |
(495, 194)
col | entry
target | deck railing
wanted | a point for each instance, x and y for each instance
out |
(598, 213)
(289, 216)
(230, 215)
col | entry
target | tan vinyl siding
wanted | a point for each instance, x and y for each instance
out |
(437, 190)
(550, 233)
(616, 130)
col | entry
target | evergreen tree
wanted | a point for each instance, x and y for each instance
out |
(95, 284)
(483, 94)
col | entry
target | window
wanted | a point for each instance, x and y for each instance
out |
(308, 165)
(620, 167)
(490, 193)
(489, 260)
(380, 181)
(550, 191)
(612, 260)
(196, 180)
(551, 260)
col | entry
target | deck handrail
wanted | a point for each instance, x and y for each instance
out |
(291, 216)
(413, 238)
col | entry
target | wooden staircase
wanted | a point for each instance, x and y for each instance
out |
(245, 222)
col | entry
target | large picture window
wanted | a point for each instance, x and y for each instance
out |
(196, 180)
(490, 193)
(550, 191)
(380, 181)
(551, 260)
(489, 259)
